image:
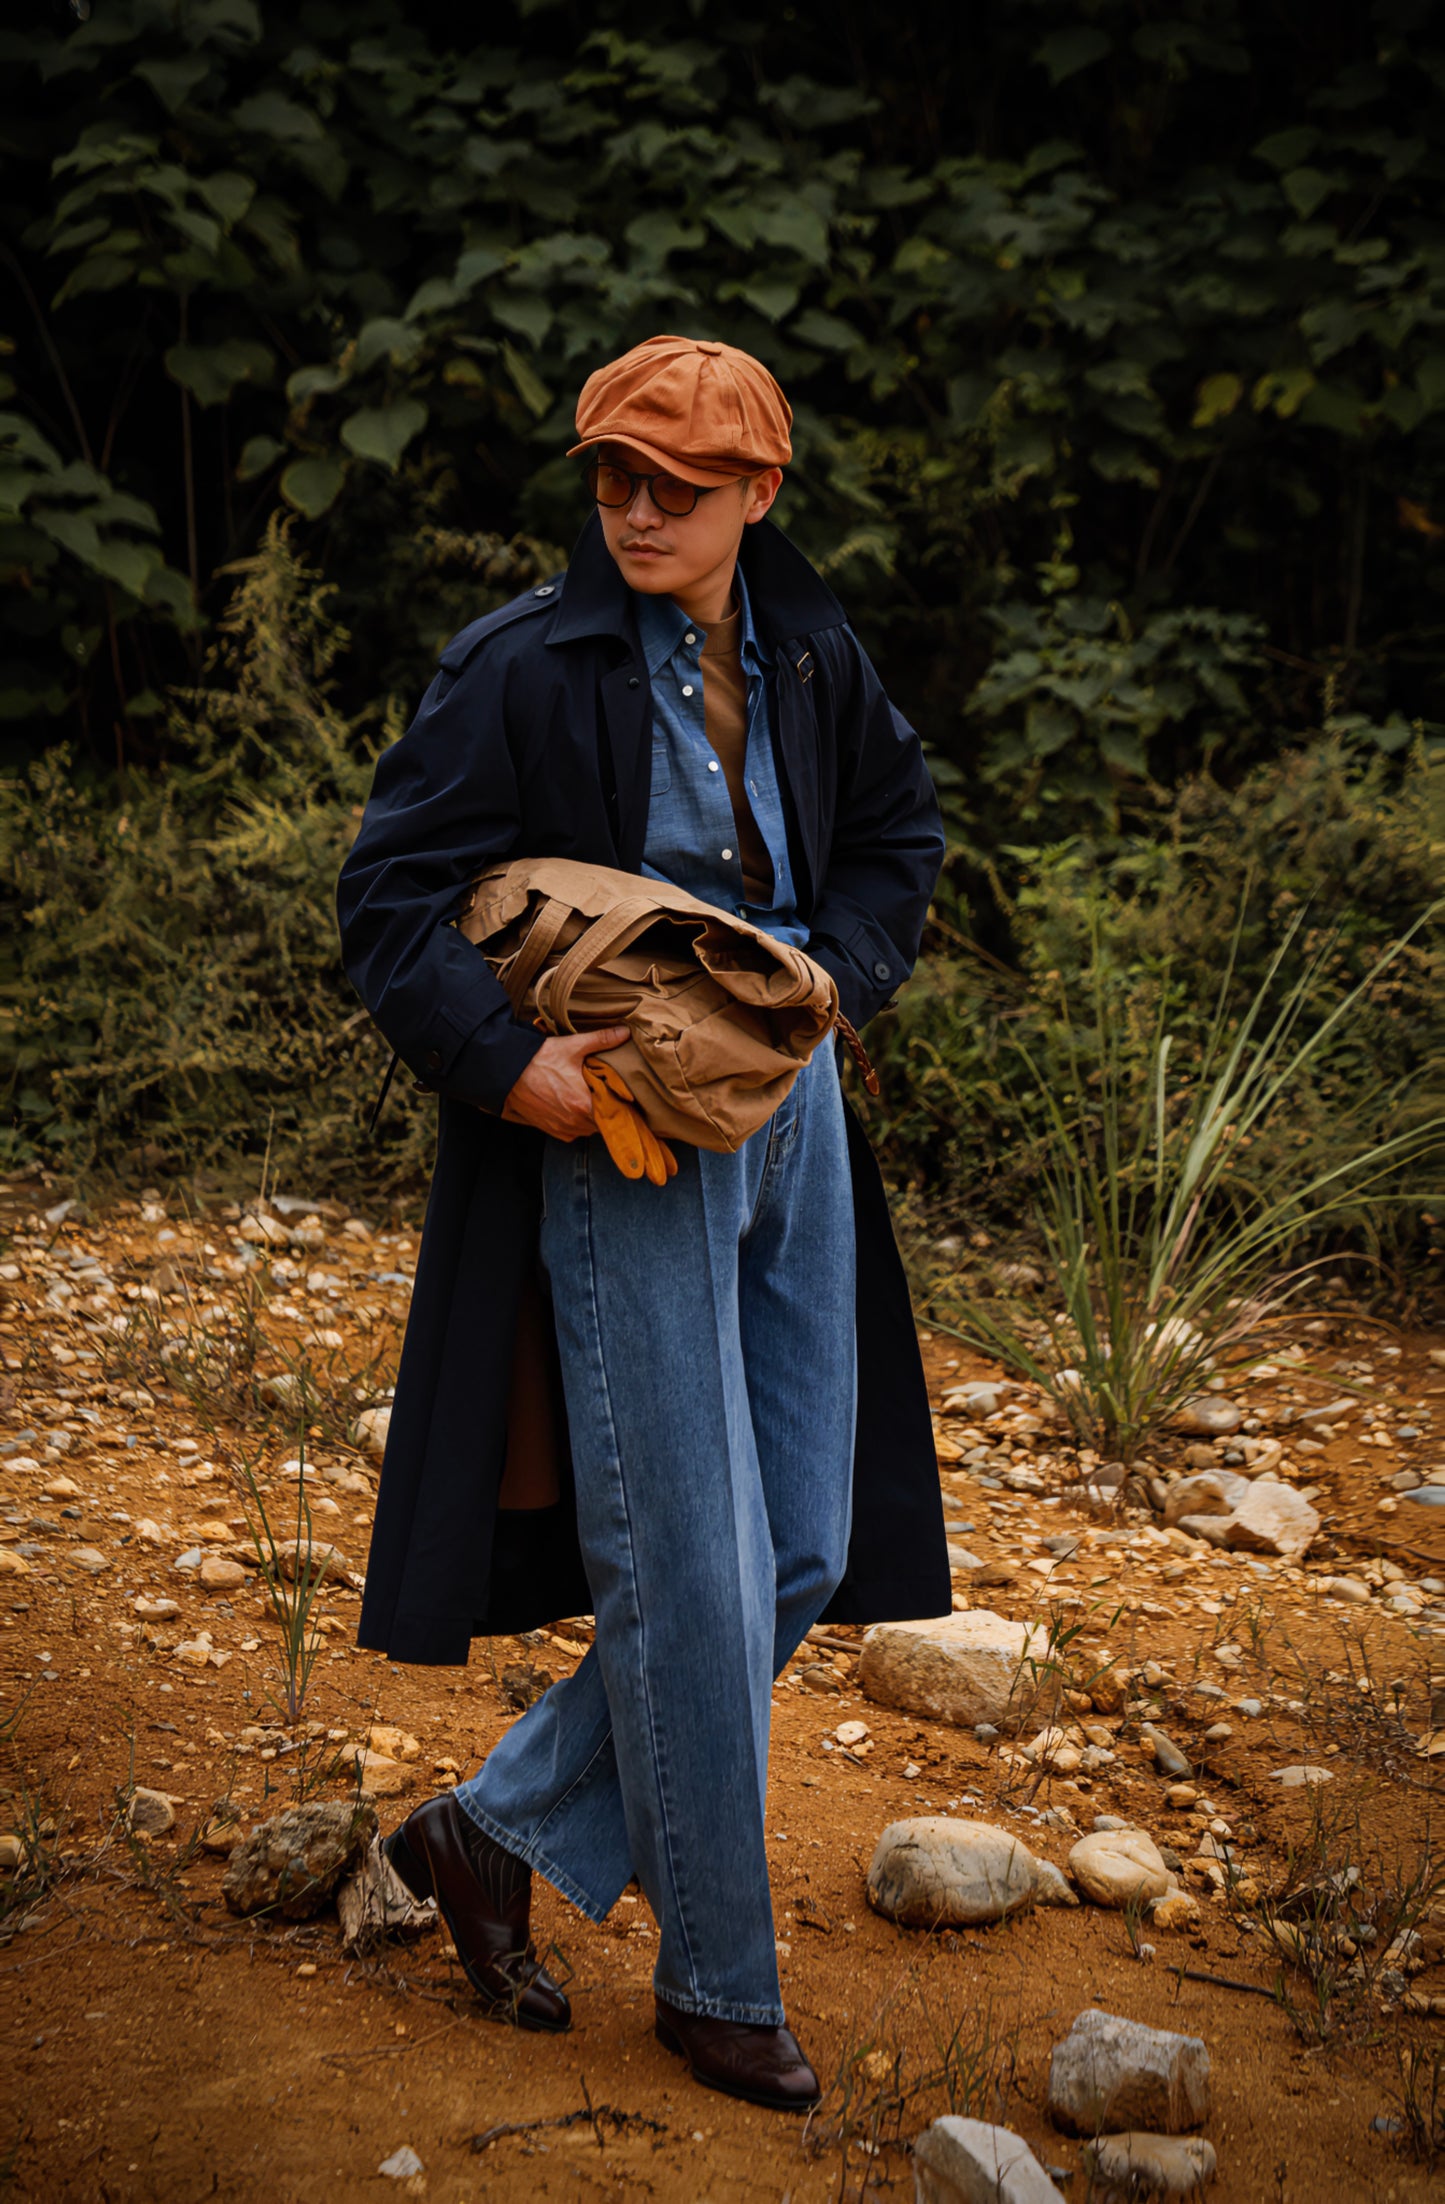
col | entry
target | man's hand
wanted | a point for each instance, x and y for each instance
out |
(552, 1094)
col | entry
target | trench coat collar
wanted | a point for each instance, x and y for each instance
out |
(788, 597)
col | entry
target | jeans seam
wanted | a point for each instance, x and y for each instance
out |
(658, 1762)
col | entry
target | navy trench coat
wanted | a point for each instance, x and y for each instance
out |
(534, 739)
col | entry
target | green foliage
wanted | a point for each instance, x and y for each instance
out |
(172, 976)
(1168, 1241)
(1341, 847)
(1112, 342)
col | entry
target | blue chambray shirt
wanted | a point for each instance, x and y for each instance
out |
(691, 836)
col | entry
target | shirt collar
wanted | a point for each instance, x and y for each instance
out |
(662, 624)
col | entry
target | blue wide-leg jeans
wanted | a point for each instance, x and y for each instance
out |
(707, 1338)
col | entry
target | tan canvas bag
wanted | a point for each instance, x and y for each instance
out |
(722, 1017)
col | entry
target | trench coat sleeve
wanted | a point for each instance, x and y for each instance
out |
(444, 804)
(888, 841)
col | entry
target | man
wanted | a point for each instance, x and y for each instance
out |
(742, 1439)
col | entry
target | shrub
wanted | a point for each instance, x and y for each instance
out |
(174, 985)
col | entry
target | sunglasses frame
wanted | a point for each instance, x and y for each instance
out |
(635, 482)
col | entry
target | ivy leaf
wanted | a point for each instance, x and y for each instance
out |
(772, 296)
(257, 454)
(382, 433)
(275, 116)
(656, 234)
(311, 485)
(1287, 148)
(829, 332)
(216, 18)
(796, 226)
(475, 265)
(173, 81)
(1216, 396)
(1306, 189)
(527, 383)
(210, 372)
(227, 193)
(528, 317)
(316, 382)
(1285, 390)
(1067, 52)
(397, 341)
(97, 272)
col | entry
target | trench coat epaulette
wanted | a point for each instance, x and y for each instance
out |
(464, 646)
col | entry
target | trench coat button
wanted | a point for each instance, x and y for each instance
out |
(632, 681)
(433, 1059)
(882, 971)
(548, 589)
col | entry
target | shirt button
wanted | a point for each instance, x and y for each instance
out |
(687, 688)
(547, 590)
(713, 766)
(689, 637)
(727, 853)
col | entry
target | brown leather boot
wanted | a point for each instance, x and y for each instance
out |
(484, 1895)
(761, 2064)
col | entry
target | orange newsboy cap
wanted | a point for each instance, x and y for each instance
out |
(707, 412)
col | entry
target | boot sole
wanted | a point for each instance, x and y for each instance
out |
(417, 1876)
(671, 2041)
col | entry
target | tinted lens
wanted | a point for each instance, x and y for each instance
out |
(670, 495)
(609, 485)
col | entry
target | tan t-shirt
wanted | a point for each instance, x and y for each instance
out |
(725, 719)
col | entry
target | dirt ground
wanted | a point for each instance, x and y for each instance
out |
(156, 2046)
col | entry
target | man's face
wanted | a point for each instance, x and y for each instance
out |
(665, 554)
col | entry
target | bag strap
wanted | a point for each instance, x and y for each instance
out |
(604, 935)
(541, 939)
(858, 1053)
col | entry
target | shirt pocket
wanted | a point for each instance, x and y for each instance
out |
(661, 766)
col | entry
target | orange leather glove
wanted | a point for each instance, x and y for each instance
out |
(632, 1144)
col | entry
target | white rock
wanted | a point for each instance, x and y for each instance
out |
(1127, 2169)
(150, 1813)
(370, 1429)
(966, 1668)
(1346, 1588)
(970, 2162)
(297, 1553)
(382, 1776)
(402, 2164)
(980, 1397)
(263, 1231)
(374, 1902)
(937, 1872)
(154, 1609)
(285, 1391)
(1116, 1867)
(851, 1733)
(1109, 2074)
(1208, 1416)
(1296, 1779)
(1211, 1492)
(1273, 1519)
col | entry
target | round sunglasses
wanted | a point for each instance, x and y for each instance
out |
(616, 486)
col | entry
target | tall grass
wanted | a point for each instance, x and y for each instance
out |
(1169, 1255)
